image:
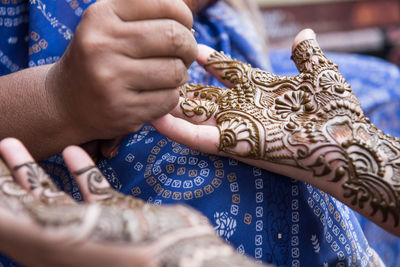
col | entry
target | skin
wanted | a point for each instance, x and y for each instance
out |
(22, 231)
(101, 87)
(57, 77)
(26, 238)
(108, 229)
(47, 246)
(342, 153)
(198, 5)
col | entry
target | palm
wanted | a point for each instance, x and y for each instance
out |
(311, 123)
(258, 114)
(109, 229)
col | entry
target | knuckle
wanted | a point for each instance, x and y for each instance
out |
(179, 73)
(104, 77)
(175, 35)
(173, 100)
(92, 11)
(177, 9)
(88, 13)
(89, 35)
(91, 44)
(192, 51)
(167, 101)
(165, 5)
(181, 41)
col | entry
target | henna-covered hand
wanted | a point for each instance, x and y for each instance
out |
(310, 127)
(42, 226)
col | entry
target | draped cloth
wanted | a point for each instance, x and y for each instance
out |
(267, 216)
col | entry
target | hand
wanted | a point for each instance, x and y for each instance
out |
(123, 66)
(309, 127)
(42, 226)
(198, 5)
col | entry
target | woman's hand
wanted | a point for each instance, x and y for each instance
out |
(42, 226)
(309, 127)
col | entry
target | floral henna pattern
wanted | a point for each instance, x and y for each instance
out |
(176, 234)
(39, 180)
(311, 121)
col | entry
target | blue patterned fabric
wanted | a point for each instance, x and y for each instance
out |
(267, 216)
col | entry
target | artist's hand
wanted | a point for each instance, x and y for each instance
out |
(309, 127)
(123, 66)
(198, 5)
(42, 226)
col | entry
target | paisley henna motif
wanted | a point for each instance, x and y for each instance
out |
(312, 121)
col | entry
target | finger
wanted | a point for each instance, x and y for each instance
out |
(15, 155)
(157, 38)
(306, 34)
(161, 102)
(204, 54)
(199, 103)
(93, 185)
(232, 73)
(307, 54)
(12, 195)
(134, 10)
(204, 138)
(153, 73)
(197, 111)
(29, 174)
(212, 61)
(109, 148)
(205, 92)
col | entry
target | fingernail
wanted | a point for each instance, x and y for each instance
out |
(114, 147)
(114, 151)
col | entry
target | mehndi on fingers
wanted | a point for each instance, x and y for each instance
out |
(176, 235)
(100, 188)
(12, 195)
(311, 121)
(40, 182)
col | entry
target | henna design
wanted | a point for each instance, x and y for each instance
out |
(176, 234)
(204, 251)
(311, 121)
(99, 186)
(4, 171)
(13, 196)
(39, 180)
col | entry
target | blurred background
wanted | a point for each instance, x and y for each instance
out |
(369, 27)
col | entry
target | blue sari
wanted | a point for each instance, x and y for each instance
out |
(267, 216)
